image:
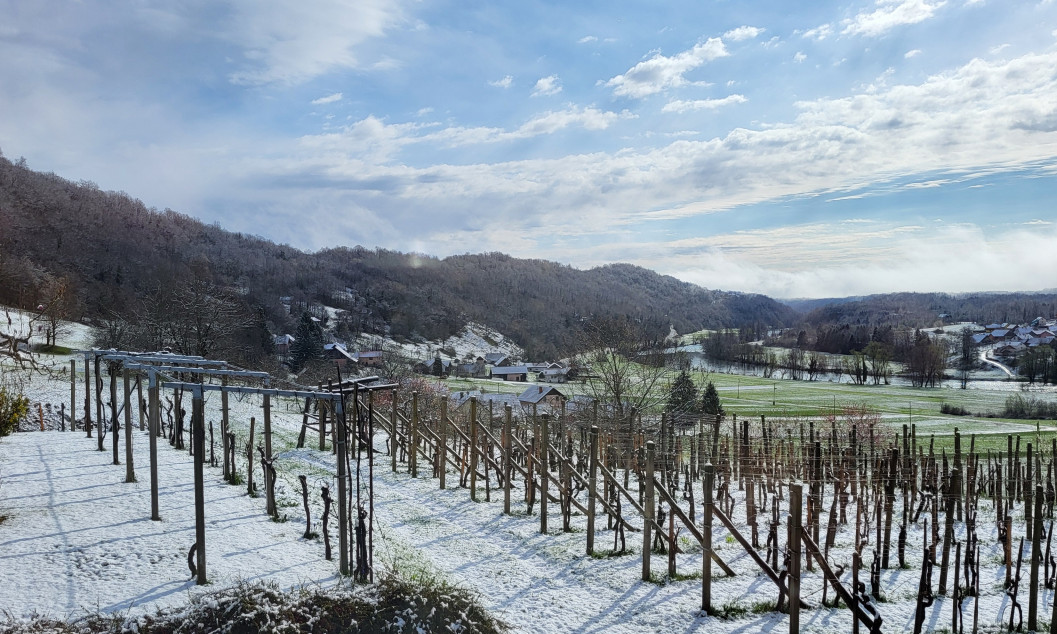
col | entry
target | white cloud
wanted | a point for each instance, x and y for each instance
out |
(587, 39)
(702, 104)
(819, 32)
(505, 82)
(912, 54)
(328, 99)
(742, 33)
(799, 57)
(289, 43)
(547, 86)
(890, 14)
(660, 73)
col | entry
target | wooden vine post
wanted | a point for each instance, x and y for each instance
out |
(198, 435)
(112, 370)
(73, 394)
(87, 397)
(394, 419)
(1036, 552)
(442, 444)
(543, 465)
(224, 428)
(507, 470)
(473, 450)
(154, 422)
(130, 472)
(708, 487)
(592, 487)
(648, 507)
(796, 493)
(343, 495)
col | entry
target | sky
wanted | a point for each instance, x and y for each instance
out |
(795, 149)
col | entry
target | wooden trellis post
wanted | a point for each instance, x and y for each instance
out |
(648, 508)
(73, 394)
(473, 450)
(796, 493)
(343, 510)
(442, 444)
(544, 468)
(130, 472)
(507, 470)
(198, 441)
(708, 488)
(154, 422)
(592, 486)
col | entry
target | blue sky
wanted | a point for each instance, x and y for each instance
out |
(807, 149)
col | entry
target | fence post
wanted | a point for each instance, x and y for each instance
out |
(648, 511)
(198, 435)
(796, 493)
(507, 471)
(708, 487)
(592, 488)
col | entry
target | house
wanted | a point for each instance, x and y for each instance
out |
(282, 344)
(511, 373)
(1009, 349)
(553, 375)
(539, 395)
(337, 353)
(497, 359)
(1000, 333)
(371, 358)
(981, 338)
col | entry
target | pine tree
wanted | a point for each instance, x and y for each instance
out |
(682, 399)
(710, 401)
(308, 342)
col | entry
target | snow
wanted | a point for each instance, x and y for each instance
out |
(77, 539)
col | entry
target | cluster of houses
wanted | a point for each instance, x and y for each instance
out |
(535, 399)
(1009, 340)
(335, 352)
(498, 366)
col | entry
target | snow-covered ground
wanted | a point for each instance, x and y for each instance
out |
(77, 537)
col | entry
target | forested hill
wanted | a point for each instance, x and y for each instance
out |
(112, 255)
(919, 310)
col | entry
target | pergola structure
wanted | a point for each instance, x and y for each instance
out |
(189, 373)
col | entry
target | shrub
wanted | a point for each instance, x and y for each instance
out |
(13, 408)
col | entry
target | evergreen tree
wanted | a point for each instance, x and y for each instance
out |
(682, 399)
(710, 401)
(308, 342)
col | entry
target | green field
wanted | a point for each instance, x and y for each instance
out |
(897, 405)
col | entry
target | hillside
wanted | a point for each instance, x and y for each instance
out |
(100, 255)
(919, 310)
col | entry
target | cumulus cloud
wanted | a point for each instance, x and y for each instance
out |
(505, 82)
(702, 104)
(328, 99)
(890, 14)
(587, 39)
(799, 57)
(742, 33)
(819, 32)
(661, 73)
(290, 43)
(911, 54)
(547, 86)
